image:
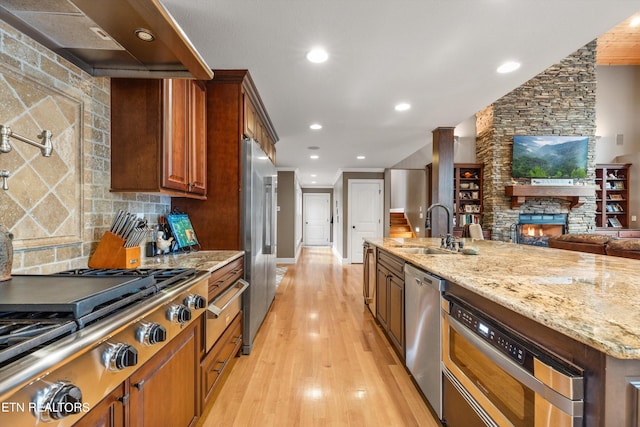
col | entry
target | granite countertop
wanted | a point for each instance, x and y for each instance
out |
(200, 260)
(591, 298)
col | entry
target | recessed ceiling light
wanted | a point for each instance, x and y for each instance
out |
(403, 106)
(144, 35)
(313, 175)
(361, 157)
(508, 67)
(635, 22)
(317, 55)
(314, 156)
(315, 126)
(313, 182)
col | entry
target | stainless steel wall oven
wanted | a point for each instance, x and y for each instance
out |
(493, 376)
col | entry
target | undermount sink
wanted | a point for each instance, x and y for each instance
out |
(426, 251)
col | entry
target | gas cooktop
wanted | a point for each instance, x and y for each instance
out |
(38, 309)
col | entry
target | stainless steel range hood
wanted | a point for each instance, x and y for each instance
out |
(101, 36)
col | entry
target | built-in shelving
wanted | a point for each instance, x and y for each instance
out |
(612, 195)
(467, 194)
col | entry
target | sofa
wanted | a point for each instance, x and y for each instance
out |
(597, 244)
(627, 248)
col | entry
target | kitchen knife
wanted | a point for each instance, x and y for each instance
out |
(133, 238)
(129, 242)
(133, 222)
(116, 221)
(124, 225)
(136, 237)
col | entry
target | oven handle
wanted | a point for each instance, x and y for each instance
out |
(552, 396)
(240, 286)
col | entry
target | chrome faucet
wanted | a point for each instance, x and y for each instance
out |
(46, 148)
(448, 241)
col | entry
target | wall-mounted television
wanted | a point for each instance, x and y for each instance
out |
(550, 156)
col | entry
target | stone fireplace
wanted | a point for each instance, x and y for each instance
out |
(536, 229)
(559, 101)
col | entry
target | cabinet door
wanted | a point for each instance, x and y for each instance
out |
(250, 118)
(166, 389)
(176, 134)
(198, 139)
(396, 313)
(109, 412)
(381, 296)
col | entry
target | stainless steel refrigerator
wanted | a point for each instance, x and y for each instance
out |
(259, 189)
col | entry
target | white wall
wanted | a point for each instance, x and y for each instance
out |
(634, 186)
(617, 112)
(464, 149)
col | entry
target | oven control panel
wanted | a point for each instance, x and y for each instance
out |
(490, 333)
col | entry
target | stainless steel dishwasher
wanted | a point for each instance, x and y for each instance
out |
(422, 329)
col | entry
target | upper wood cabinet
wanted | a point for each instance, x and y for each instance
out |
(254, 126)
(158, 137)
(234, 110)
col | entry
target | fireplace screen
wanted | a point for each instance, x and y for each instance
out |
(536, 229)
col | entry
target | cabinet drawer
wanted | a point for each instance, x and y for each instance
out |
(625, 234)
(216, 362)
(225, 276)
(393, 263)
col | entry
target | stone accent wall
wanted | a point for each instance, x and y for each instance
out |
(59, 207)
(559, 101)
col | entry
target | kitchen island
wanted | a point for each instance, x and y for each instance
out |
(582, 306)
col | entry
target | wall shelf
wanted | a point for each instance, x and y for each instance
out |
(576, 194)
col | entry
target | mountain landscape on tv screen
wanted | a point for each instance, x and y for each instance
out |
(550, 156)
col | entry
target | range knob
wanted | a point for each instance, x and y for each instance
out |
(178, 313)
(195, 302)
(57, 401)
(119, 356)
(151, 333)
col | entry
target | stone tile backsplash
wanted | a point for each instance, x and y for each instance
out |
(57, 207)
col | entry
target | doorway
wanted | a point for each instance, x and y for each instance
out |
(365, 214)
(317, 219)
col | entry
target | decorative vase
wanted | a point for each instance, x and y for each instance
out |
(6, 253)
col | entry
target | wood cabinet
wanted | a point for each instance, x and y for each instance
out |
(217, 220)
(166, 389)
(382, 299)
(612, 195)
(390, 298)
(216, 364)
(225, 276)
(223, 332)
(158, 137)
(109, 412)
(255, 127)
(467, 194)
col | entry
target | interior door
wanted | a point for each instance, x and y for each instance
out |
(365, 214)
(317, 218)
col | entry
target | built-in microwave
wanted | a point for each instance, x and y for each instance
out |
(494, 377)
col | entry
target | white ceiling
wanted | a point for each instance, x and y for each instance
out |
(438, 55)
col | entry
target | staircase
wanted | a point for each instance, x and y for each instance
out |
(400, 226)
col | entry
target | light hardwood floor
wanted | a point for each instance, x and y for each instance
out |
(319, 359)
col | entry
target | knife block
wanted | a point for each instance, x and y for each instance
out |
(111, 253)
